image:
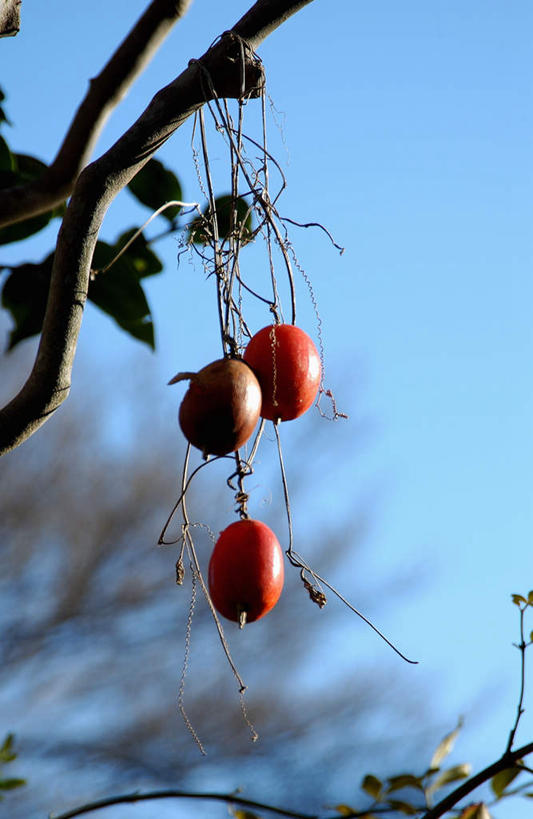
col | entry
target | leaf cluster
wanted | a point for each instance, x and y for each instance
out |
(417, 790)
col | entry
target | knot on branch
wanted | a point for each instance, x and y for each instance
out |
(230, 69)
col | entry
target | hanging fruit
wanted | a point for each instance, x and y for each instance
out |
(220, 409)
(246, 571)
(287, 366)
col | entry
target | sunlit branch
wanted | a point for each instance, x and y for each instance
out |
(104, 93)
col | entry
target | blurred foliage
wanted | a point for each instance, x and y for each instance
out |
(94, 626)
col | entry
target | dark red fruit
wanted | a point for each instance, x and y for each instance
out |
(246, 571)
(221, 407)
(287, 365)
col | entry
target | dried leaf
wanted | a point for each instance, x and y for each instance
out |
(450, 775)
(445, 746)
(396, 783)
(372, 786)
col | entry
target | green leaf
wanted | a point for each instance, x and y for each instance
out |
(154, 185)
(450, 775)
(518, 599)
(3, 117)
(344, 810)
(8, 742)
(227, 210)
(501, 780)
(21, 230)
(119, 293)
(239, 813)
(373, 786)
(445, 746)
(397, 783)
(24, 295)
(29, 167)
(7, 160)
(530, 598)
(10, 784)
(6, 754)
(26, 168)
(404, 807)
(144, 262)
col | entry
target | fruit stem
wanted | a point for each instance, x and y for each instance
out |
(182, 377)
(242, 618)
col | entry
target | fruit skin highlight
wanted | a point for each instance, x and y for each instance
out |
(246, 571)
(287, 365)
(221, 408)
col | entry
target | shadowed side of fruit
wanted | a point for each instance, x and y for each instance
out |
(221, 408)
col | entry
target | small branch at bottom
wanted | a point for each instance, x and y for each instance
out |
(230, 799)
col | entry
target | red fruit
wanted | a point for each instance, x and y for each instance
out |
(221, 407)
(287, 365)
(246, 571)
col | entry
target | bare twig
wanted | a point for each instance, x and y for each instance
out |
(230, 799)
(169, 204)
(520, 707)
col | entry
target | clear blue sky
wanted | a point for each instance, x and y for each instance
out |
(408, 132)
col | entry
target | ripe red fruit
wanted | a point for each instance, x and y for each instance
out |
(221, 407)
(246, 571)
(287, 365)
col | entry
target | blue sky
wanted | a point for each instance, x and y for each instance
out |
(407, 131)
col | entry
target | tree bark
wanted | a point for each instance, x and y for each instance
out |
(218, 72)
(10, 17)
(105, 92)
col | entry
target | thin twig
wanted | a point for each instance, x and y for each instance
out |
(138, 232)
(318, 225)
(162, 541)
(228, 798)
(519, 710)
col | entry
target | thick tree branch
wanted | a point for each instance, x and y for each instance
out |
(218, 72)
(9, 17)
(105, 92)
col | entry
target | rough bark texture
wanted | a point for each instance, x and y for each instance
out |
(218, 72)
(9, 17)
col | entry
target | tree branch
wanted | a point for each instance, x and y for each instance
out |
(10, 18)
(218, 72)
(451, 801)
(229, 798)
(508, 760)
(104, 93)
